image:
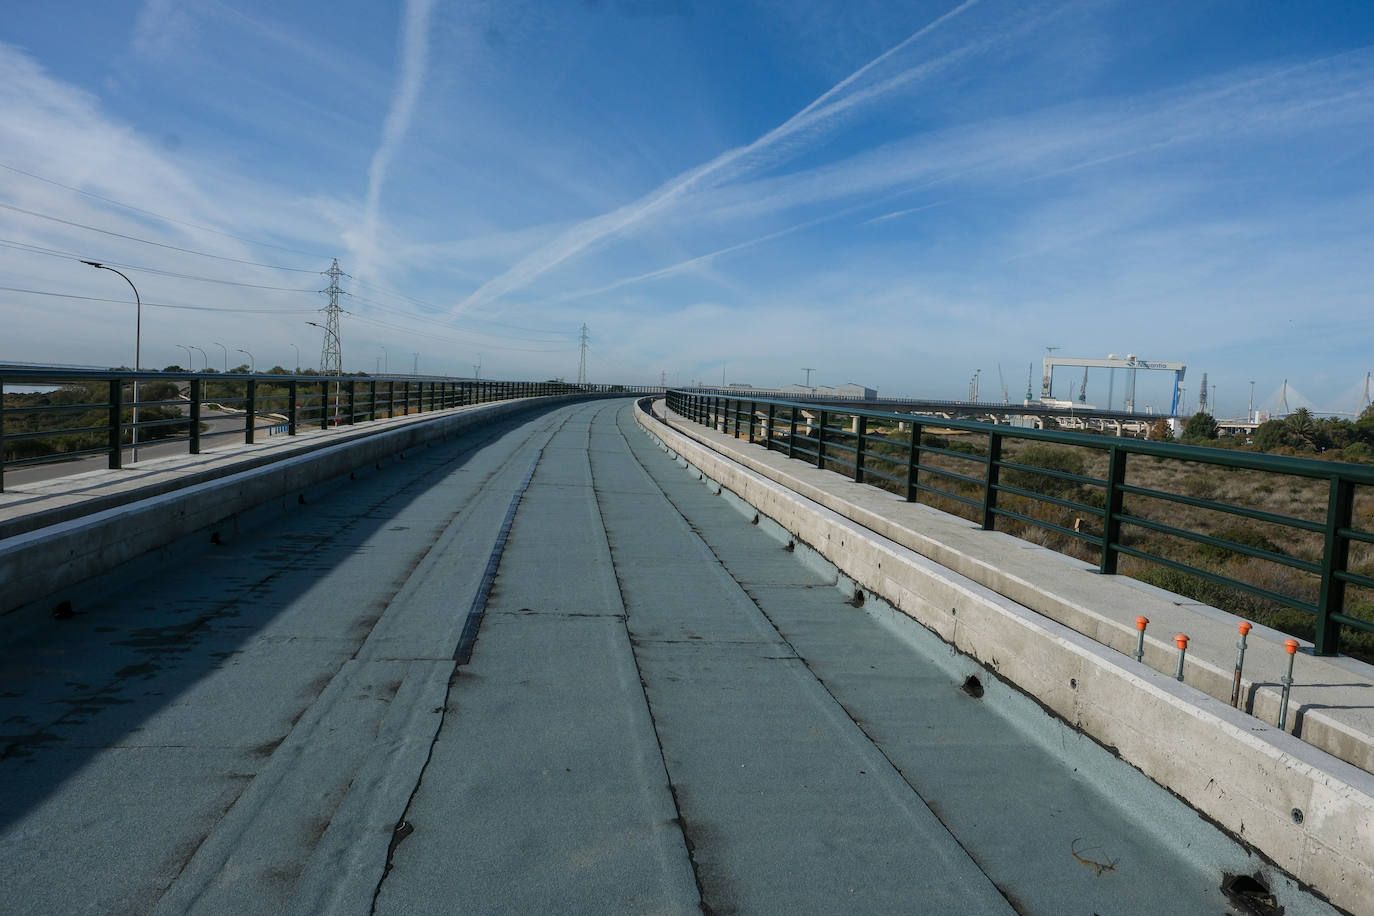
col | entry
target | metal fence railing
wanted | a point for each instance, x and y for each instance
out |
(50, 415)
(1284, 540)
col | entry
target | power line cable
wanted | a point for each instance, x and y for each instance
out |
(52, 252)
(161, 305)
(72, 256)
(438, 308)
(455, 340)
(444, 324)
(134, 238)
(170, 219)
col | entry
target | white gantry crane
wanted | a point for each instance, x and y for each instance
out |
(1131, 364)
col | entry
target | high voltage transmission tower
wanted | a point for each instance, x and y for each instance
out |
(331, 357)
(582, 362)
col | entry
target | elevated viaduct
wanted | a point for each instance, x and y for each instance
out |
(557, 654)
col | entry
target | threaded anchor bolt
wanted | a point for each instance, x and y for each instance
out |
(1292, 646)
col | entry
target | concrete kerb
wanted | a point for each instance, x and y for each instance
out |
(1309, 812)
(41, 562)
(1332, 702)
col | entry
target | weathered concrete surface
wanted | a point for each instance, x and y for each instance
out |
(1248, 776)
(1332, 705)
(57, 532)
(663, 709)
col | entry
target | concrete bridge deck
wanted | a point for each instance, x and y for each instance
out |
(663, 709)
(1332, 702)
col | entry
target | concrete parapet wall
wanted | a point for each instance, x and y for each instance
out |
(41, 562)
(1306, 810)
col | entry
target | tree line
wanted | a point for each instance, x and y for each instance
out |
(1299, 433)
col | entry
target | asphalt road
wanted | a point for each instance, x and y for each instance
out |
(664, 710)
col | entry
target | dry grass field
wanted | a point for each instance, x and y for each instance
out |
(1071, 526)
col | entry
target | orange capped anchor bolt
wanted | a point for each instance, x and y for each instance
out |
(1140, 624)
(1292, 646)
(1244, 628)
(1180, 640)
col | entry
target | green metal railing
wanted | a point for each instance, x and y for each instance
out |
(994, 475)
(86, 413)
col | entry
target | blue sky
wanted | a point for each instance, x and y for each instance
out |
(896, 194)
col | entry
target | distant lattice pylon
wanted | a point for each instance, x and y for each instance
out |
(582, 361)
(331, 356)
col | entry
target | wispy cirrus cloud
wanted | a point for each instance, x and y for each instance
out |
(825, 112)
(162, 28)
(1163, 130)
(414, 56)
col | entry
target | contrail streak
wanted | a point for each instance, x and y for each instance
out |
(724, 167)
(414, 58)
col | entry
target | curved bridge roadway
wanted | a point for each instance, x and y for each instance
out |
(664, 709)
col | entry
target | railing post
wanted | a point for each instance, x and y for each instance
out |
(250, 409)
(195, 416)
(753, 406)
(735, 412)
(1111, 522)
(768, 432)
(860, 433)
(792, 434)
(2, 435)
(913, 461)
(352, 402)
(1335, 557)
(372, 399)
(324, 404)
(291, 388)
(116, 418)
(820, 440)
(990, 481)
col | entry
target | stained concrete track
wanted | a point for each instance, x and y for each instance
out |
(666, 709)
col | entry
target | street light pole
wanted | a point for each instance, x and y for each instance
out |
(337, 372)
(298, 358)
(202, 356)
(189, 366)
(138, 341)
(250, 359)
(226, 355)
